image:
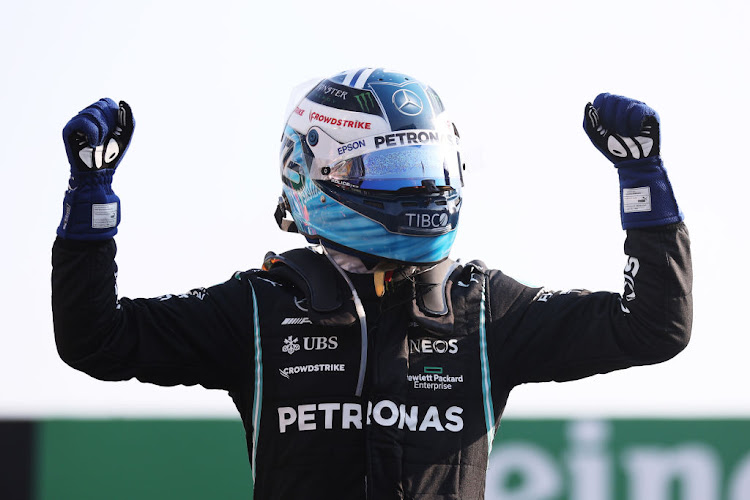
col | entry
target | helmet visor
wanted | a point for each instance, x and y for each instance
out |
(397, 168)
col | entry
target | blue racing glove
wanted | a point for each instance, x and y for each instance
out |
(626, 131)
(96, 140)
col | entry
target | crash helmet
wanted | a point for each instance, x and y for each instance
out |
(370, 164)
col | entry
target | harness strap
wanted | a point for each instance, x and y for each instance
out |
(326, 291)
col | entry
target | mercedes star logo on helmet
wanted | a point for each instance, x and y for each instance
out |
(407, 102)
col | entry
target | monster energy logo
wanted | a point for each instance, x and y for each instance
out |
(365, 101)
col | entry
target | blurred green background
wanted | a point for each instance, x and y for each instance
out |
(620, 459)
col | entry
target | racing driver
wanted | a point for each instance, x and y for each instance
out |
(369, 364)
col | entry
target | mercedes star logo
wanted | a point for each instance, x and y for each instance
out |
(407, 102)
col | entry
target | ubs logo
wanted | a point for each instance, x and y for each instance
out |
(291, 344)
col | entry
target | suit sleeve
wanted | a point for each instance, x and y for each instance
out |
(201, 337)
(541, 335)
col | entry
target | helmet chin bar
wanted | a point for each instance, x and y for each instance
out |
(289, 226)
(376, 243)
(370, 261)
(420, 211)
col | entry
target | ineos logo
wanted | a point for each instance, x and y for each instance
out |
(428, 346)
(407, 102)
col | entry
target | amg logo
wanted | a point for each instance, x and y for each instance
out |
(311, 417)
(297, 321)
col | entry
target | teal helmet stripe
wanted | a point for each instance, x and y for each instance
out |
(328, 219)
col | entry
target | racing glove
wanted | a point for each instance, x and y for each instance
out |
(96, 140)
(626, 131)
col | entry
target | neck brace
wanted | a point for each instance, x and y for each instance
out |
(330, 297)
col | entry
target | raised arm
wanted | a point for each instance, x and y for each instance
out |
(200, 337)
(543, 335)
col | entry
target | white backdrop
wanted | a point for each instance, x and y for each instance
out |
(209, 85)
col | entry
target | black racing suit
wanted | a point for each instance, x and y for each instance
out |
(397, 410)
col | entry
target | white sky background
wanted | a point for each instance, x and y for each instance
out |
(209, 85)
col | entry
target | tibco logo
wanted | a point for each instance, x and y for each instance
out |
(429, 346)
(427, 220)
(311, 417)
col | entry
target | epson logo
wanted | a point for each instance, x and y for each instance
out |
(426, 220)
(352, 146)
(429, 346)
(312, 417)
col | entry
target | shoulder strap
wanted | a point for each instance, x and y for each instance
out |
(432, 307)
(327, 293)
(329, 297)
(446, 280)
